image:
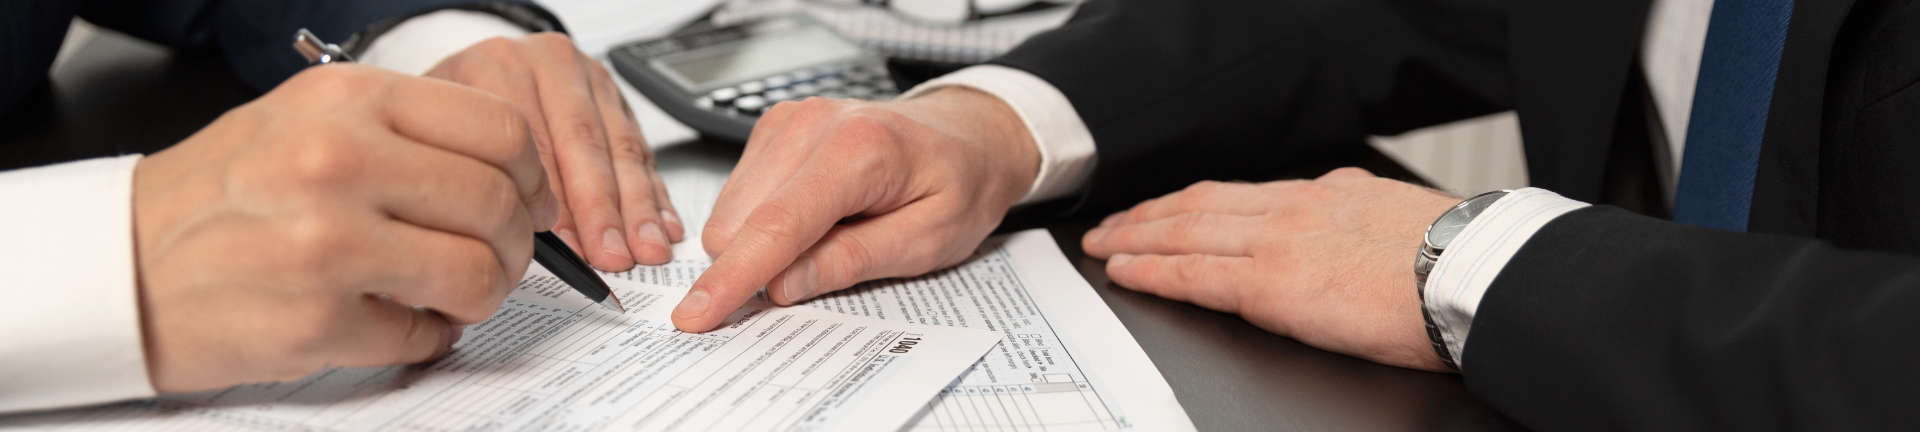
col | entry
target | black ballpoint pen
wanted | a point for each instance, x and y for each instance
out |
(548, 250)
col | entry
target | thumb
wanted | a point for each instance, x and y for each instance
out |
(392, 333)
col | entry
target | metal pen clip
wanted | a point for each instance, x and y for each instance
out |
(317, 51)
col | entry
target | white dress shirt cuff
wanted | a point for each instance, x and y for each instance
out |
(415, 46)
(70, 319)
(1477, 255)
(1066, 147)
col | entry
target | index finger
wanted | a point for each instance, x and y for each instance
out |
(775, 233)
(475, 124)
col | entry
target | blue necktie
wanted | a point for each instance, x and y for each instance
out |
(1730, 101)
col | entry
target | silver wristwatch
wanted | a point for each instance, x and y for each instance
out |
(1439, 236)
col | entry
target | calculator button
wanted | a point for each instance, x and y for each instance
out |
(858, 76)
(885, 95)
(803, 90)
(724, 95)
(860, 92)
(885, 85)
(803, 75)
(777, 95)
(753, 87)
(835, 94)
(778, 81)
(750, 105)
(703, 102)
(831, 83)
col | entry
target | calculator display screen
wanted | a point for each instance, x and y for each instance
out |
(758, 56)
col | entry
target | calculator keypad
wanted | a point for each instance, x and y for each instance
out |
(752, 98)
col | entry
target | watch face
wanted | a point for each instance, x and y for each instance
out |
(1456, 219)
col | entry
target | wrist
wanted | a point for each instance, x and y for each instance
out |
(1006, 147)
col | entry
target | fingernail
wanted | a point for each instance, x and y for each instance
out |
(799, 284)
(1108, 221)
(613, 243)
(670, 217)
(693, 305)
(650, 233)
(1120, 259)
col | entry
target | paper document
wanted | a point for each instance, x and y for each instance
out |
(1066, 363)
(551, 360)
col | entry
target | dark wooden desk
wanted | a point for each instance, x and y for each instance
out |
(123, 96)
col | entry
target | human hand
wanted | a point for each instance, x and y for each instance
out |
(613, 207)
(300, 231)
(1328, 261)
(830, 193)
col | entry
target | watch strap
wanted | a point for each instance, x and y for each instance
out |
(1424, 264)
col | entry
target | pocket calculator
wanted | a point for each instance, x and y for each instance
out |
(719, 80)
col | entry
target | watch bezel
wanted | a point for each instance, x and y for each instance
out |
(1427, 243)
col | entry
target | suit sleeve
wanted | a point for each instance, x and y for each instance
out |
(256, 36)
(1610, 320)
(1177, 90)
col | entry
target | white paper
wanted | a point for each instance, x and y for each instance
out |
(551, 360)
(1066, 363)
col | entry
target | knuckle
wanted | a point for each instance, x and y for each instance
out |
(856, 259)
(601, 74)
(332, 78)
(326, 162)
(591, 205)
(1183, 273)
(1347, 172)
(714, 240)
(513, 123)
(552, 39)
(500, 198)
(1205, 186)
(782, 110)
(864, 144)
(629, 147)
(497, 46)
(776, 220)
(1187, 224)
(465, 296)
(581, 131)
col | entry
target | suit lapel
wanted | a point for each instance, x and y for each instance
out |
(1786, 187)
(1571, 61)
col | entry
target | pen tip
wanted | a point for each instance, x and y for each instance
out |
(613, 303)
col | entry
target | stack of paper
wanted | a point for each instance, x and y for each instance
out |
(550, 360)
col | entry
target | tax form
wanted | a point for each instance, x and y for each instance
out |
(551, 360)
(1066, 364)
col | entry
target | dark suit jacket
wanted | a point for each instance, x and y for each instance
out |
(1607, 319)
(254, 35)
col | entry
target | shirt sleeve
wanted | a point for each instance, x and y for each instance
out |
(1477, 255)
(415, 46)
(1066, 147)
(70, 318)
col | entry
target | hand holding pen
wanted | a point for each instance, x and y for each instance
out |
(549, 250)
